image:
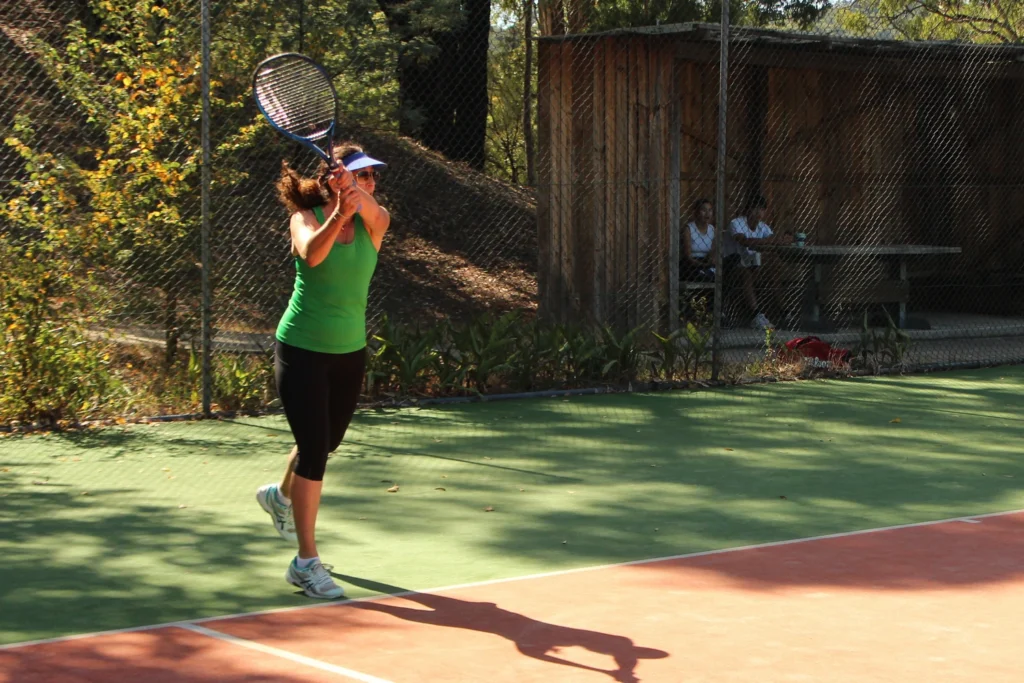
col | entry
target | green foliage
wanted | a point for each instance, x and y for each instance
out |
(624, 358)
(885, 349)
(485, 347)
(580, 355)
(611, 14)
(49, 293)
(135, 75)
(448, 363)
(536, 362)
(685, 352)
(500, 353)
(49, 370)
(774, 360)
(696, 336)
(401, 359)
(351, 38)
(960, 20)
(240, 382)
(505, 145)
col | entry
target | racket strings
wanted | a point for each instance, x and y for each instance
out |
(297, 110)
(297, 97)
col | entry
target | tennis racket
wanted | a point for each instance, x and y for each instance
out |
(297, 98)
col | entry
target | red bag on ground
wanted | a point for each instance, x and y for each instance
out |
(813, 347)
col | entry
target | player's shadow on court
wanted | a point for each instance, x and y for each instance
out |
(531, 637)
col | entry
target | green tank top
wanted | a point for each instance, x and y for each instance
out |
(327, 311)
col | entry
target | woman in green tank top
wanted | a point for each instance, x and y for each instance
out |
(320, 358)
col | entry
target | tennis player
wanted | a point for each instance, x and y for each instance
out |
(320, 356)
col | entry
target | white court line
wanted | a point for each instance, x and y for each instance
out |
(544, 575)
(284, 654)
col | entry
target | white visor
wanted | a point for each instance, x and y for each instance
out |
(358, 160)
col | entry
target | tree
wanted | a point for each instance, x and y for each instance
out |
(135, 75)
(531, 177)
(506, 142)
(978, 21)
(442, 73)
(577, 16)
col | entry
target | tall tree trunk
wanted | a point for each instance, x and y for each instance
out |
(444, 98)
(528, 91)
(579, 13)
(469, 96)
(552, 17)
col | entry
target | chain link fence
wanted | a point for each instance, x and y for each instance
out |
(102, 123)
(140, 281)
(867, 193)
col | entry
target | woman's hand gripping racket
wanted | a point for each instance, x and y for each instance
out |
(297, 98)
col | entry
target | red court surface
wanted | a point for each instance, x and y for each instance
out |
(938, 602)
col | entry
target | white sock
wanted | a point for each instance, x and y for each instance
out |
(305, 563)
(280, 497)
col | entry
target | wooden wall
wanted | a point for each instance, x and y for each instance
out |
(850, 149)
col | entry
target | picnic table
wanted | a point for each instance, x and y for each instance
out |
(895, 290)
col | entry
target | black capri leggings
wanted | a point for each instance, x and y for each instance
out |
(319, 392)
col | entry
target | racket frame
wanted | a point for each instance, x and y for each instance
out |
(328, 155)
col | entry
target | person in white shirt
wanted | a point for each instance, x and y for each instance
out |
(741, 260)
(697, 241)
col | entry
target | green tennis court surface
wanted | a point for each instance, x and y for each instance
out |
(153, 523)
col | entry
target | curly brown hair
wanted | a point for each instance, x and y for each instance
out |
(298, 192)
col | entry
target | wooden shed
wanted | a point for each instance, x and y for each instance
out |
(852, 141)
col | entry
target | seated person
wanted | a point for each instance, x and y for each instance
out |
(697, 264)
(740, 260)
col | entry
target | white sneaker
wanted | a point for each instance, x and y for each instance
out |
(314, 581)
(281, 515)
(761, 322)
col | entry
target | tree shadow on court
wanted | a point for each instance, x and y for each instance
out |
(533, 638)
(585, 482)
(657, 475)
(164, 655)
(74, 563)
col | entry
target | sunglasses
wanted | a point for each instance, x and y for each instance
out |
(366, 175)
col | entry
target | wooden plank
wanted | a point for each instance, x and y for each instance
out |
(698, 134)
(628, 149)
(739, 138)
(581, 238)
(623, 153)
(778, 160)
(835, 98)
(655, 226)
(545, 178)
(599, 169)
(558, 184)
(675, 222)
(610, 144)
(568, 186)
(689, 113)
(641, 146)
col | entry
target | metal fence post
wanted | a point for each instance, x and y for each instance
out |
(205, 257)
(720, 214)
